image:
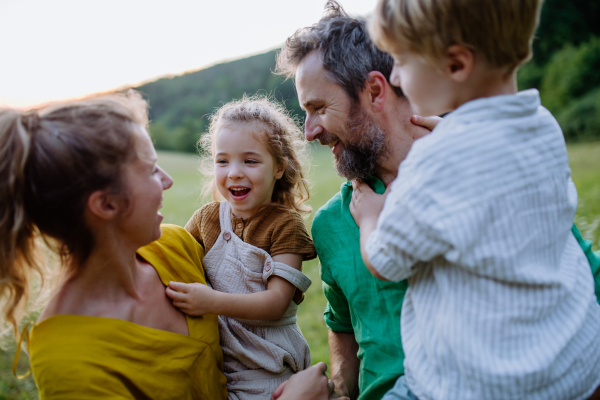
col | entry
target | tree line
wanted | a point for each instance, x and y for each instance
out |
(565, 69)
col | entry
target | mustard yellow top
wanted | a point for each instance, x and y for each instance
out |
(81, 357)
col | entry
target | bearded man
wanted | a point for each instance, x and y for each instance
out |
(342, 83)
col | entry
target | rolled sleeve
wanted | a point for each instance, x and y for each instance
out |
(337, 312)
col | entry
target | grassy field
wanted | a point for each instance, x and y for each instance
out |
(184, 198)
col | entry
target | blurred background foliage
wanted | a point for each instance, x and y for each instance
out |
(566, 65)
(565, 68)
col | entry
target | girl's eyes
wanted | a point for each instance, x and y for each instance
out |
(249, 161)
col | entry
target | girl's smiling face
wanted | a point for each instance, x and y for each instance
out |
(245, 170)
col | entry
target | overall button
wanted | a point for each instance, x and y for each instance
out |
(239, 225)
(268, 266)
(227, 236)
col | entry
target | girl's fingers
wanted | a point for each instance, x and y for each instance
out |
(426, 122)
(176, 296)
(179, 286)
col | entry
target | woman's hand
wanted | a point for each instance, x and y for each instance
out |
(192, 298)
(426, 122)
(310, 384)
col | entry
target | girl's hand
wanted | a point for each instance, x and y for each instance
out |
(192, 298)
(366, 205)
(426, 122)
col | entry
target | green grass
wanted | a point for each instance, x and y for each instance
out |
(184, 198)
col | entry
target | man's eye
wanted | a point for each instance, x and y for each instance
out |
(319, 109)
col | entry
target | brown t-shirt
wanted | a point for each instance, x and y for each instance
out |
(275, 228)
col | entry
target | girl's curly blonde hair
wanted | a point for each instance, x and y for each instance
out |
(283, 139)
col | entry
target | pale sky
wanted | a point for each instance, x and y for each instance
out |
(59, 49)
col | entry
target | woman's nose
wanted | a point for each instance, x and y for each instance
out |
(166, 179)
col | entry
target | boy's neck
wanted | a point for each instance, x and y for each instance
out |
(486, 82)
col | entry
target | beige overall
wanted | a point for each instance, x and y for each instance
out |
(258, 355)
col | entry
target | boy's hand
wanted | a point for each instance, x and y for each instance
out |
(192, 298)
(426, 122)
(366, 205)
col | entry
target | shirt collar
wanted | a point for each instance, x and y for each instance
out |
(500, 107)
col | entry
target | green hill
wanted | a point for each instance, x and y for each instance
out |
(180, 105)
(565, 69)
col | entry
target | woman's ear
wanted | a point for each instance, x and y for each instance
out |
(103, 205)
(459, 63)
(280, 169)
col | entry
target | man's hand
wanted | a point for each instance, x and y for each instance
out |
(192, 298)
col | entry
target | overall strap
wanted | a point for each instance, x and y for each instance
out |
(292, 275)
(225, 216)
(24, 334)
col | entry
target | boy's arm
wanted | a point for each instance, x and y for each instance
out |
(395, 244)
(198, 299)
(365, 208)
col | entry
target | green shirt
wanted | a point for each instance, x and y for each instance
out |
(593, 259)
(358, 302)
(361, 304)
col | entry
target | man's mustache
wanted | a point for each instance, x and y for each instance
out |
(326, 138)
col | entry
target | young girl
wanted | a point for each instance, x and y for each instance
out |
(255, 242)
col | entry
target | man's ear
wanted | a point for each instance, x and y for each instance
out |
(376, 88)
(103, 205)
(459, 63)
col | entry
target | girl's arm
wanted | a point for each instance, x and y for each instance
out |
(198, 299)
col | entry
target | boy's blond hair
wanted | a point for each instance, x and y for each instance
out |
(499, 30)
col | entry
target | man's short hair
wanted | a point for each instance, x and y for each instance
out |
(345, 49)
(499, 30)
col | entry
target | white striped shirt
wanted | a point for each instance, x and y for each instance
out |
(500, 302)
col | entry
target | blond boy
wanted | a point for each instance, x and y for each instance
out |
(500, 302)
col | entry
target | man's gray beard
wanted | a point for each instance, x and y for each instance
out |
(366, 147)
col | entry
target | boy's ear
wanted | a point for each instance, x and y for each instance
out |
(103, 205)
(459, 64)
(375, 90)
(280, 170)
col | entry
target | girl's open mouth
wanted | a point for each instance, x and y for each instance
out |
(239, 193)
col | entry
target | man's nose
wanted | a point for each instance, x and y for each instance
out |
(312, 129)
